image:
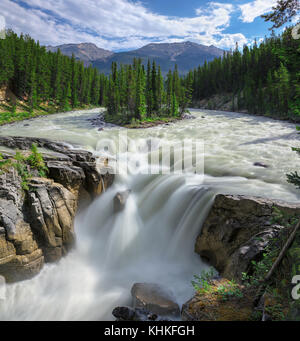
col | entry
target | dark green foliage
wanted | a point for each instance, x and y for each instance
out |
(39, 76)
(25, 165)
(282, 12)
(294, 177)
(264, 79)
(36, 161)
(136, 95)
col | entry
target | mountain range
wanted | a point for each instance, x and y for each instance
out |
(186, 55)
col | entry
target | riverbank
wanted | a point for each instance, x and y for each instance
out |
(22, 112)
(229, 103)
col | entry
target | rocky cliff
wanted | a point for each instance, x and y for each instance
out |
(36, 226)
(237, 232)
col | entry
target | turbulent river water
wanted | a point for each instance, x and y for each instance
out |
(152, 240)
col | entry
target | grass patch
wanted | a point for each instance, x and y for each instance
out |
(8, 114)
(26, 166)
(204, 284)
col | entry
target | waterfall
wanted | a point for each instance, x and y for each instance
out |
(152, 239)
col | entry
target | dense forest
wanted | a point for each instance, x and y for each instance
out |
(38, 76)
(138, 94)
(262, 79)
(63, 83)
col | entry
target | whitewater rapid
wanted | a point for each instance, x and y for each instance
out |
(152, 240)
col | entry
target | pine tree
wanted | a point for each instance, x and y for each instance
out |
(74, 83)
(149, 93)
(33, 100)
(140, 102)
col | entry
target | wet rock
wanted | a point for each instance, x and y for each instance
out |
(188, 117)
(132, 314)
(237, 230)
(124, 313)
(260, 164)
(120, 200)
(154, 299)
(135, 314)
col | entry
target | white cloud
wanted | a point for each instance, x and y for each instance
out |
(254, 9)
(117, 24)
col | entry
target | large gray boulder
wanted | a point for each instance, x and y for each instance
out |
(154, 299)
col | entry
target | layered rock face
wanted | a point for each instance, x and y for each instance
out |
(36, 226)
(238, 230)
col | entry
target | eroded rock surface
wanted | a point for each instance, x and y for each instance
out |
(20, 255)
(154, 299)
(238, 230)
(36, 226)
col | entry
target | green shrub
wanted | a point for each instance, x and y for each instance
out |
(25, 165)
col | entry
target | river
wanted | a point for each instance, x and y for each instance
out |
(152, 240)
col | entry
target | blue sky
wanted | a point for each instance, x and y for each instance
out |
(120, 25)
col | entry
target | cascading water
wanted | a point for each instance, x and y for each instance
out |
(152, 239)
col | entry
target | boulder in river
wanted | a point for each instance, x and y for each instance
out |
(120, 200)
(260, 164)
(134, 314)
(155, 299)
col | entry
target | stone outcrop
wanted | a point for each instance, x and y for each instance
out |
(51, 209)
(120, 200)
(36, 226)
(75, 169)
(238, 230)
(20, 255)
(154, 299)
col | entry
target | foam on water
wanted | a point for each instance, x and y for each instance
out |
(152, 240)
